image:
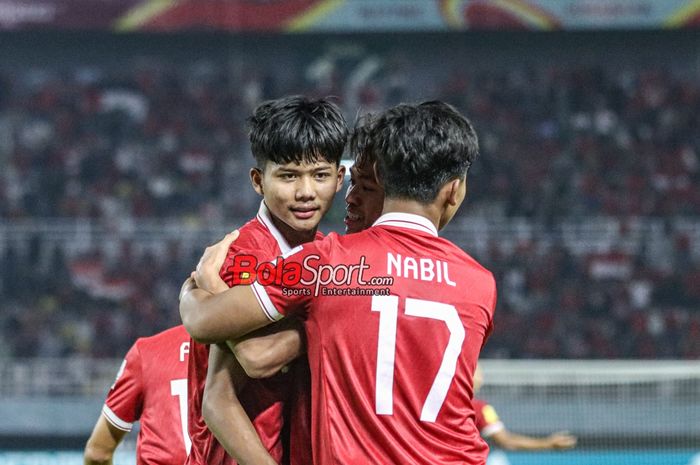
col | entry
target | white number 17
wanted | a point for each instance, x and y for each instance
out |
(388, 308)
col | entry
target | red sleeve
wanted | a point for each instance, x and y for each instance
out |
(125, 398)
(294, 285)
(492, 311)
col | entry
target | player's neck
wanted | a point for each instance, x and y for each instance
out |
(429, 211)
(292, 236)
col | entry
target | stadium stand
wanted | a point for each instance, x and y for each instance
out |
(114, 177)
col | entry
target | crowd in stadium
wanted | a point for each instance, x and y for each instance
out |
(170, 142)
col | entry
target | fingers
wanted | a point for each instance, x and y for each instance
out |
(216, 253)
(221, 248)
(206, 273)
(563, 440)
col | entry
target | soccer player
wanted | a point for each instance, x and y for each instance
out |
(297, 144)
(365, 196)
(265, 354)
(392, 364)
(491, 427)
(151, 386)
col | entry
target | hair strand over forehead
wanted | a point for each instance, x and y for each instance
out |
(297, 129)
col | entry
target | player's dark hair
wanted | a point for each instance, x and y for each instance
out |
(359, 145)
(419, 148)
(297, 129)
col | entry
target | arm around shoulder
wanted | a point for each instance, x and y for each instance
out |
(213, 318)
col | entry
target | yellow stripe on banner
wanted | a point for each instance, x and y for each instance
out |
(315, 13)
(680, 17)
(452, 13)
(140, 14)
(527, 12)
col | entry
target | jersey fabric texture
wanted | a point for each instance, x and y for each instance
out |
(392, 373)
(151, 386)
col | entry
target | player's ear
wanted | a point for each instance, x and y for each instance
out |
(340, 178)
(375, 171)
(256, 176)
(455, 191)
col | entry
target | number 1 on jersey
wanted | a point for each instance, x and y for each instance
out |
(178, 388)
(388, 308)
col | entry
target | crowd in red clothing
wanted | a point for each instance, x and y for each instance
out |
(559, 147)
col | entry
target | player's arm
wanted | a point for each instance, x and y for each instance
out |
(512, 441)
(235, 312)
(102, 443)
(213, 318)
(121, 408)
(222, 314)
(224, 414)
(266, 351)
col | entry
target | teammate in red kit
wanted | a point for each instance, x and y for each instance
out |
(151, 387)
(491, 427)
(297, 144)
(365, 196)
(391, 365)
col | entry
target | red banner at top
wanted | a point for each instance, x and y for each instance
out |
(347, 15)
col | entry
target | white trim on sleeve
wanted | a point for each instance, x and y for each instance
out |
(115, 420)
(265, 302)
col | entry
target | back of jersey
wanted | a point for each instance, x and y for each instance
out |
(392, 374)
(152, 387)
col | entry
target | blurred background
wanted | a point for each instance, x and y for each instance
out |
(123, 152)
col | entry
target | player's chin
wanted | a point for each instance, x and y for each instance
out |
(304, 223)
(353, 226)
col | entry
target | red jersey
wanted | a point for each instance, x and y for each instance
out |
(151, 386)
(263, 399)
(487, 420)
(391, 373)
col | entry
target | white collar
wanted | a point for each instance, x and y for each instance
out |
(408, 221)
(265, 217)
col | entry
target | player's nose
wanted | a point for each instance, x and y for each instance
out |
(351, 197)
(305, 188)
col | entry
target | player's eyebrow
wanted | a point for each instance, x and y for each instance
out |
(298, 169)
(288, 170)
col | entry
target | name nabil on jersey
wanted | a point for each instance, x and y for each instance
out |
(423, 269)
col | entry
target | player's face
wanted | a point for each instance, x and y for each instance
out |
(298, 194)
(364, 198)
